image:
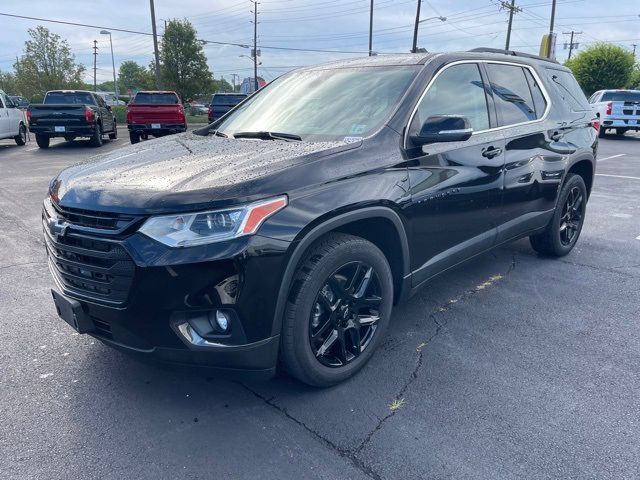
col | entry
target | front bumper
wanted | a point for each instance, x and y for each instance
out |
(137, 294)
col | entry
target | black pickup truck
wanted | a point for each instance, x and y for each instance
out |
(71, 114)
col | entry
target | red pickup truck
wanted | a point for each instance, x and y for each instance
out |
(156, 113)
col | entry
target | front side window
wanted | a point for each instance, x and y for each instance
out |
(324, 104)
(457, 91)
(511, 93)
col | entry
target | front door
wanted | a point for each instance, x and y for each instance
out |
(456, 187)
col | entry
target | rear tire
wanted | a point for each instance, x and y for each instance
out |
(564, 229)
(602, 133)
(621, 131)
(114, 134)
(96, 138)
(21, 138)
(43, 140)
(338, 310)
(134, 137)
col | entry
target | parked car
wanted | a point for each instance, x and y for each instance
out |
(198, 109)
(156, 113)
(110, 99)
(617, 109)
(71, 114)
(19, 101)
(289, 229)
(221, 103)
(12, 120)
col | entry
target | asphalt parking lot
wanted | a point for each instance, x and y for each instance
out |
(511, 366)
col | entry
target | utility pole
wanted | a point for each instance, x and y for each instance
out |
(95, 60)
(255, 43)
(414, 48)
(512, 9)
(572, 45)
(634, 45)
(233, 79)
(371, 29)
(551, 25)
(155, 45)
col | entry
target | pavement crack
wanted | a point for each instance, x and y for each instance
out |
(347, 454)
(3, 267)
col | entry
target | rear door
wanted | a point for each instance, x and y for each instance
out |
(456, 187)
(4, 119)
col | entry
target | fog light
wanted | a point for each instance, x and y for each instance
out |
(222, 320)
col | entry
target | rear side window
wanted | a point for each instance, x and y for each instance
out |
(568, 88)
(512, 93)
(539, 102)
(630, 96)
(458, 91)
(144, 98)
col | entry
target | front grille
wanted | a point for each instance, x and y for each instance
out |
(88, 267)
(93, 219)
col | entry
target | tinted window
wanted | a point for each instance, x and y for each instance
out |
(1, 102)
(511, 93)
(459, 91)
(71, 98)
(145, 98)
(227, 99)
(568, 88)
(632, 96)
(539, 102)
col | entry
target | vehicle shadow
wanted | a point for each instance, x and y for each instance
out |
(130, 401)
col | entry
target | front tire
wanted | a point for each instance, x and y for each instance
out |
(621, 131)
(43, 140)
(338, 310)
(563, 231)
(113, 135)
(21, 138)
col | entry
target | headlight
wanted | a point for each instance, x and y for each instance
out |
(188, 229)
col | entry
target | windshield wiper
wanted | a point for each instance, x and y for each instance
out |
(268, 136)
(217, 133)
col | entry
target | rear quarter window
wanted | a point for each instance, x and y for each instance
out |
(565, 84)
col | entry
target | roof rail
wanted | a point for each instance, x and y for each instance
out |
(513, 53)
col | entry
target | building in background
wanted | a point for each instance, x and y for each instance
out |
(248, 85)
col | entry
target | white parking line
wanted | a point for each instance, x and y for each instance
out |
(612, 156)
(616, 176)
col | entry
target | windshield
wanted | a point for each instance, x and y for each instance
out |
(227, 99)
(633, 96)
(71, 98)
(323, 105)
(156, 99)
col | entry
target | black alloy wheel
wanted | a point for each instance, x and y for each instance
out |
(571, 219)
(337, 311)
(345, 314)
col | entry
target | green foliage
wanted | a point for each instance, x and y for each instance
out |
(602, 66)
(8, 83)
(134, 77)
(220, 86)
(47, 64)
(634, 83)
(182, 61)
(120, 112)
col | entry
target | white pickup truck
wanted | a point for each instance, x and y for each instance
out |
(12, 121)
(617, 109)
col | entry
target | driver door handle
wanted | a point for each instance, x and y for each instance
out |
(492, 152)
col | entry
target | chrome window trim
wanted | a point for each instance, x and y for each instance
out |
(533, 72)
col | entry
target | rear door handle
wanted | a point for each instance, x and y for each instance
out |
(492, 152)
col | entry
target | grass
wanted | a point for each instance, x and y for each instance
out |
(396, 404)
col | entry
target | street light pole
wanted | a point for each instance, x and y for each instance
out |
(414, 48)
(113, 64)
(415, 34)
(371, 29)
(551, 25)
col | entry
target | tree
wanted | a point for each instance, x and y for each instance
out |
(8, 83)
(634, 83)
(183, 63)
(47, 64)
(134, 77)
(602, 66)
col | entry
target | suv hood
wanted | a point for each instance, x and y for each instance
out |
(187, 170)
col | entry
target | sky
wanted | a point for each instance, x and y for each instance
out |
(287, 28)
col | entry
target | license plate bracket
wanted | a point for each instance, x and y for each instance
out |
(72, 313)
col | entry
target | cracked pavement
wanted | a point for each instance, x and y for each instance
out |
(510, 366)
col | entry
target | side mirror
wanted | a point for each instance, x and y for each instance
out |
(443, 128)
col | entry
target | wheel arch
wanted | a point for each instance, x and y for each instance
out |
(585, 168)
(355, 222)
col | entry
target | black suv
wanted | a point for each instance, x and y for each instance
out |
(289, 228)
